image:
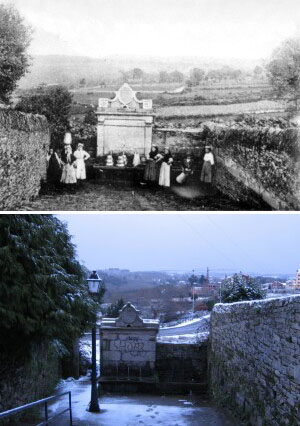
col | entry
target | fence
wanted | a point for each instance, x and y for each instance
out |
(44, 401)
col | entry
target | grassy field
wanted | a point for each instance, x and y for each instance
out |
(219, 110)
(205, 100)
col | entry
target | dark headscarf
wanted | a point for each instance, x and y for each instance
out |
(167, 157)
(153, 154)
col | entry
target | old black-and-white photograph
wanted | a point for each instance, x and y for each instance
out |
(149, 105)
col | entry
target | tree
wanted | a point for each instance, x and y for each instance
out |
(197, 75)
(163, 77)
(193, 279)
(137, 74)
(90, 118)
(113, 310)
(15, 38)
(258, 71)
(241, 287)
(284, 70)
(176, 77)
(43, 295)
(54, 103)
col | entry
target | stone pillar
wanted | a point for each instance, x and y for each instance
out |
(100, 137)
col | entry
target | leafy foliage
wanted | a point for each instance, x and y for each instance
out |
(241, 287)
(42, 291)
(284, 70)
(113, 310)
(15, 38)
(52, 102)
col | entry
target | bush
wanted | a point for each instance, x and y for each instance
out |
(241, 287)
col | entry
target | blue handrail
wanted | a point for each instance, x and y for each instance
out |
(44, 401)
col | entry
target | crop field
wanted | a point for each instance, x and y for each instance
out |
(264, 106)
(205, 100)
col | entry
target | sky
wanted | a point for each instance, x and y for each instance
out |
(251, 243)
(248, 29)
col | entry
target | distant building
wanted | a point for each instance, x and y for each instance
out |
(297, 284)
(278, 285)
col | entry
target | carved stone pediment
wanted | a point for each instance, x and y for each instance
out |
(129, 317)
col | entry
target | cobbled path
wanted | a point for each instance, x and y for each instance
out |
(98, 197)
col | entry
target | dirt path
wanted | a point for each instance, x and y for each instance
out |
(96, 197)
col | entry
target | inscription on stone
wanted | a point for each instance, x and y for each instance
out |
(130, 345)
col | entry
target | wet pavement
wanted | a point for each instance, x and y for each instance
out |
(138, 410)
(111, 197)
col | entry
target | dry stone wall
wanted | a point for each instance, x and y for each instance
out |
(260, 164)
(24, 142)
(254, 360)
(182, 362)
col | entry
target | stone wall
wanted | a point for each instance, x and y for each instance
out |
(24, 142)
(127, 354)
(181, 362)
(254, 360)
(256, 164)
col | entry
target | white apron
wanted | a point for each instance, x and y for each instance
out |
(81, 156)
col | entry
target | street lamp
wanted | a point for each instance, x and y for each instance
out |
(94, 283)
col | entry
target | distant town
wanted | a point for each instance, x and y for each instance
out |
(174, 295)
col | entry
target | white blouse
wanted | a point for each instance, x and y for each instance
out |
(209, 157)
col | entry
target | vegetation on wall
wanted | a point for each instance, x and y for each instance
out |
(52, 102)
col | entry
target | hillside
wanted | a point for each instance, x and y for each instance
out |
(61, 69)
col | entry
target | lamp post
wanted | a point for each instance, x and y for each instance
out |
(94, 283)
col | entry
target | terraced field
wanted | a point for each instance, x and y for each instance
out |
(184, 111)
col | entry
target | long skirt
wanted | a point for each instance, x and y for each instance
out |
(68, 174)
(164, 174)
(53, 172)
(80, 170)
(150, 173)
(206, 173)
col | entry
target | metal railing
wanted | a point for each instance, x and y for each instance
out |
(44, 401)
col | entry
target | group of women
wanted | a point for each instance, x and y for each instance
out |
(158, 167)
(69, 168)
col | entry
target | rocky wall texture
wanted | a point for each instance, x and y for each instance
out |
(24, 142)
(261, 161)
(254, 360)
(181, 362)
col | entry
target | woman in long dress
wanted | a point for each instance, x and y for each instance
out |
(165, 169)
(68, 176)
(151, 170)
(209, 161)
(53, 168)
(81, 156)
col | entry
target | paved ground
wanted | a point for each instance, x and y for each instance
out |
(139, 410)
(108, 197)
(196, 327)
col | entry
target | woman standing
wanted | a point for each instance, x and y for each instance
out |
(68, 176)
(151, 172)
(80, 156)
(53, 168)
(209, 161)
(165, 169)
